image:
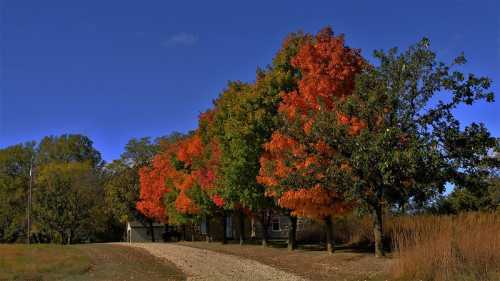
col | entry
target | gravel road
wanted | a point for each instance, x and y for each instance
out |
(200, 264)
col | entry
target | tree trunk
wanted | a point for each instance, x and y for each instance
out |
(292, 231)
(70, 237)
(241, 222)
(329, 235)
(152, 230)
(224, 227)
(192, 232)
(184, 232)
(61, 233)
(265, 236)
(208, 229)
(377, 230)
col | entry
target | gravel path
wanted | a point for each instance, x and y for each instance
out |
(200, 264)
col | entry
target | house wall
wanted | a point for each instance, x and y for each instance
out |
(215, 228)
(307, 230)
(143, 234)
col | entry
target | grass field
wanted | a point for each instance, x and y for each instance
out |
(82, 262)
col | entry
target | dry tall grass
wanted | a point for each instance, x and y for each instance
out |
(445, 248)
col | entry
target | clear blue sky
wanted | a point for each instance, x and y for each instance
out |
(114, 70)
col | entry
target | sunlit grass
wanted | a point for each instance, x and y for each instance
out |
(448, 248)
(41, 262)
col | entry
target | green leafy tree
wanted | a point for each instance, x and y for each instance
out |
(474, 193)
(15, 162)
(245, 116)
(409, 143)
(66, 207)
(66, 149)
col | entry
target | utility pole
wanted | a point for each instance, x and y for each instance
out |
(29, 201)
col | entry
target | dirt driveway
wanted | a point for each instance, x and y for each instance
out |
(200, 264)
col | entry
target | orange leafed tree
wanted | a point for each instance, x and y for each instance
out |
(180, 183)
(153, 185)
(296, 161)
(199, 163)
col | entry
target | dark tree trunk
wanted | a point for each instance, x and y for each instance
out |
(224, 227)
(264, 221)
(70, 237)
(265, 237)
(208, 230)
(184, 232)
(62, 237)
(241, 221)
(192, 232)
(152, 230)
(329, 235)
(377, 230)
(292, 232)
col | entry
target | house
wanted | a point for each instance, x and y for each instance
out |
(211, 229)
(141, 232)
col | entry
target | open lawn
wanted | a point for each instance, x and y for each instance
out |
(344, 264)
(82, 262)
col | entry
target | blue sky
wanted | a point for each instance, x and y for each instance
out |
(114, 70)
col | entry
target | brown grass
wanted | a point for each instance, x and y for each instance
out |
(96, 262)
(41, 262)
(442, 248)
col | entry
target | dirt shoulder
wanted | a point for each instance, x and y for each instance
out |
(314, 265)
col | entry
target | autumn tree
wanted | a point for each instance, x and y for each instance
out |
(122, 178)
(296, 163)
(178, 187)
(153, 187)
(197, 160)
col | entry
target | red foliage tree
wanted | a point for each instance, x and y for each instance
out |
(153, 185)
(180, 183)
(296, 161)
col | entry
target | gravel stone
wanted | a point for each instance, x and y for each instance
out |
(200, 264)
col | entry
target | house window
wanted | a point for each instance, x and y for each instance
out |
(275, 224)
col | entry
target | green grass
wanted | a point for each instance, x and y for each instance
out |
(82, 262)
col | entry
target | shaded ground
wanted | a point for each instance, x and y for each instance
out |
(312, 264)
(83, 262)
(201, 264)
